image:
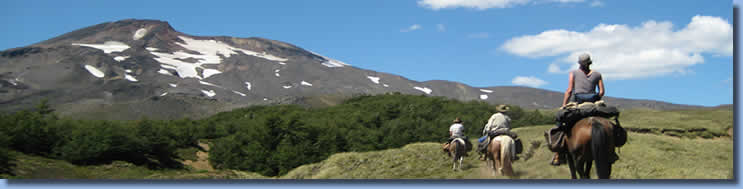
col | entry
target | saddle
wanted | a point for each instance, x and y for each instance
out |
(467, 145)
(482, 147)
(572, 112)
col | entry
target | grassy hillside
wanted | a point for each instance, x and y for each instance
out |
(685, 144)
(645, 156)
(37, 167)
(717, 121)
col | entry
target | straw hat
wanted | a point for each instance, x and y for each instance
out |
(502, 108)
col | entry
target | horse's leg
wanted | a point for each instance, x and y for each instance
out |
(453, 152)
(454, 162)
(589, 163)
(492, 166)
(497, 158)
(571, 165)
(507, 169)
(460, 162)
(580, 165)
(506, 158)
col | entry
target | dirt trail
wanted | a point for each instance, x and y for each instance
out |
(485, 171)
(202, 160)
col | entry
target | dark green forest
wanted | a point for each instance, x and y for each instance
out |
(270, 140)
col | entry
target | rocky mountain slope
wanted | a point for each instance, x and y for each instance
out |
(134, 68)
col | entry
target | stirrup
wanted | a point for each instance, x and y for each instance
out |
(556, 162)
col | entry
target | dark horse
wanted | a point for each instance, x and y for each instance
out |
(590, 139)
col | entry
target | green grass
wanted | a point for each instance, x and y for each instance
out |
(645, 156)
(35, 167)
(716, 121)
(187, 153)
(414, 161)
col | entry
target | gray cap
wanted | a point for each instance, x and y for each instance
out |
(584, 58)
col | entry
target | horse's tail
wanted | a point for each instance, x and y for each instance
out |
(600, 149)
(506, 154)
(458, 149)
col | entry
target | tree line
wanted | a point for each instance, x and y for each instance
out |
(270, 140)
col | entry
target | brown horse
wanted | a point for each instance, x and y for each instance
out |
(457, 149)
(500, 153)
(590, 139)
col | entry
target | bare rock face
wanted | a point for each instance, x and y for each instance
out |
(144, 68)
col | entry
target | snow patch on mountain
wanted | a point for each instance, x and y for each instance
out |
(424, 89)
(287, 86)
(164, 72)
(95, 71)
(128, 71)
(141, 32)
(130, 78)
(164, 94)
(483, 96)
(306, 83)
(248, 85)
(239, 93)
(184, 69)
(210, 72)
(264, 55)
(152, 49)
(373, 79)
(108, 47)
(120, 58)
(209, 84)
(486, 91)
(173, 84)
(209, 93)
(331, 63)
(385, 85)
(210, 52)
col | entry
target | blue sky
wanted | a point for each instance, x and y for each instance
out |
(674, 51)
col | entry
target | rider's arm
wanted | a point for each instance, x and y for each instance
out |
(570, 90)
(602, 90)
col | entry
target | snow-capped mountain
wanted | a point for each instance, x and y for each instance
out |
(136, 68)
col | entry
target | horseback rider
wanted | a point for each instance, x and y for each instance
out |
(456, 130)
(498, 121)
(582, 86)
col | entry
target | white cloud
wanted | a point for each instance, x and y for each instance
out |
(530, 81)
(412, 28)
(568, 1)
(476, 4)
(483, 4)
(624, 52)
(597, 3)
(440, 27)
(555, 68)
(481, 35)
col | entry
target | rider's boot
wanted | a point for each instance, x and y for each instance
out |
(555, 159)
(613, 157)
